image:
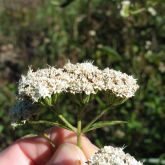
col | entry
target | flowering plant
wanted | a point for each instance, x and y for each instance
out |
(84, 82)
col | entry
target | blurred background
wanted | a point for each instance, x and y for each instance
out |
(124, 35)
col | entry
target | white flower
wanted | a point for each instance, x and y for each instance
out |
(43, 83)
(148, 44)
(75, 78)
(121, 84)
(112, 156)
(125, 9)
(84, 77)
(152, 11)
(92, 33)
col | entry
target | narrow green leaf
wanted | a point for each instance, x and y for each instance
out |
(95, 119)
(111, 52)
(68, 125)
(46, 123)
(39, 124)
(66, 3)
(103, 124)
(100, 101)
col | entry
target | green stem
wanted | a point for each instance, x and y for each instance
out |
(39, 122)
(79, 125)
(67, 123)
(95, 119)
(138, 11)
(45, 135)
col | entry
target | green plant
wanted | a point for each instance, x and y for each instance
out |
(83, 82)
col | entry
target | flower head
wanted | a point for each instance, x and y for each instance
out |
(112, 156)
(84, 77)
(43, 83)
(79, 78)
(120, 84)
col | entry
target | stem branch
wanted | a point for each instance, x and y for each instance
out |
(67, 123)
(79, 128)
(95, 119)
(44, 135)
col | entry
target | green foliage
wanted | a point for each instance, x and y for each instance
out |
(102, 124)
(38, 34)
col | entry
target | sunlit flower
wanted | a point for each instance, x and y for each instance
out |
(121, 84)
(75, 78)
(112, 156)
(125, 8)
(43, 83)
(84, 77)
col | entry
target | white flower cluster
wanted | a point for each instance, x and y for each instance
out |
(76, 78)
(84, 77)
(121, 84)
(43, 83)
(112, 156)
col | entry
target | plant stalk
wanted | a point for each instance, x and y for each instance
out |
(79, 128)
(44, 135)
(95, 119)
(66, 122)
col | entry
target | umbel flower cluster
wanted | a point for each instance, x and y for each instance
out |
(112, 156)
(85, 81)
(75, 78)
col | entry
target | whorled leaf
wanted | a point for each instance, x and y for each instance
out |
(39, 125)
(101, 124)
